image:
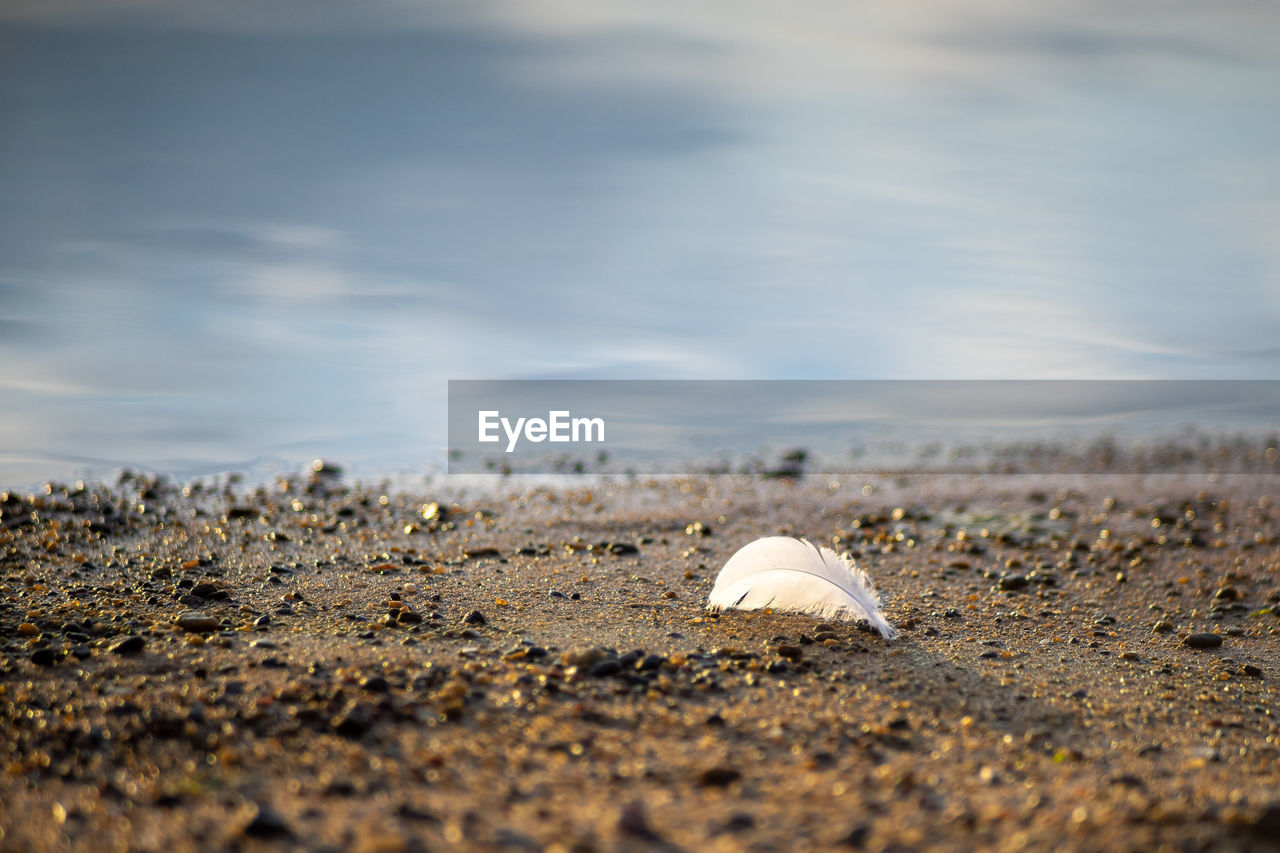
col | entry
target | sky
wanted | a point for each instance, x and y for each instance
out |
(240, 235)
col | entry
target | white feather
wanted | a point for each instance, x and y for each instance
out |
(797, 576)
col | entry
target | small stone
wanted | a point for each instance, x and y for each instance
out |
(1203, 641)
(1128, 656)
(718, 777)
(604, 668)
(267, 823)
(1252, 671)
(204, 590)
(1012, 582)
(1162, 627)
(130, 645)
(856, 837)
(583, 656)
(410, 588)
(790, 652)
(649, 663)
(1266, 822)
(555, 593)
(44, 657)
(353, 722)
(262, 621)
(27, 629)
(197, 623)
(375, 684)
(632, 822)
(409, 617)
(475, 617)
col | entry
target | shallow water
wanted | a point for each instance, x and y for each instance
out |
(239, 238)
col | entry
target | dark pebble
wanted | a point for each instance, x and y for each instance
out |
(1013, 582)
(204, 590)
(649, 663)
(44, 657)
(633, 823)
(740, 822)
(555, 593)
(575, 597)
(409, 617)
(620, 548)
(790, 652)
(1251, 670)
(267, 824)
(262, 621)
(718, 777)
(475, 617)
(604, 668)
(128, 646)
(856, 837)
(375, 684)
(1266, 823)
(352, 722)
(1203, 641)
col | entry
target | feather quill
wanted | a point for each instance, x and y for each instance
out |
(797, 576)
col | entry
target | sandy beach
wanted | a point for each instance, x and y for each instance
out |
(1085, 663)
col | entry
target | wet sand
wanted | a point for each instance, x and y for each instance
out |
(321, 667)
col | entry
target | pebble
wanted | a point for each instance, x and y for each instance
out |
(27, 629)
(353, 722)
(262, 621)
(1203, 641)
(1162, 627)
(128, 646)
(649, 663)
(583, 656)
(632, 823)
(204, 590)
(44, 657)
(790, 652)
(267, 823)
(475, 617)
(1011, 582)
(197, 623)
(604, 668)
(718, 777)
